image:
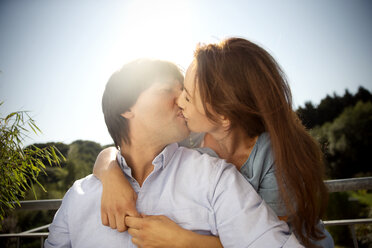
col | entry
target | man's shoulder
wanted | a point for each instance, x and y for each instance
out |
(197, 155)
(84, 187)
(86, 182)
(191, 159)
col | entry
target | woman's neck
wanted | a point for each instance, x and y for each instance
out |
(234, 146)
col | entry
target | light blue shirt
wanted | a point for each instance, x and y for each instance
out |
(198, 192)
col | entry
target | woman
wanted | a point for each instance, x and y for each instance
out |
(237, 96)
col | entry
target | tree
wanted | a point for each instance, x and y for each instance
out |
(20, 167)
(363, 95)
(80, 160)
(330, 107)
(308, 115)
(347, 141)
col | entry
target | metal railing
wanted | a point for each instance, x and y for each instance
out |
(29, 233)
(342, 185)
(339, 185)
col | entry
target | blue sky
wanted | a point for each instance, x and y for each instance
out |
(56, 56)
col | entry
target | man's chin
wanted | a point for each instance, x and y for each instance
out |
(183, 134)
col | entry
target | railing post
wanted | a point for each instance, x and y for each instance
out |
(355, 241)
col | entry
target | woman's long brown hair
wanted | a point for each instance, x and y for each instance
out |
(241, 81)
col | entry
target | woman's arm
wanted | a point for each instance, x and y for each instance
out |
(118, 197)
(118, 201)
(160, 231)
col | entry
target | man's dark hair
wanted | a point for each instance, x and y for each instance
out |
(125, 86)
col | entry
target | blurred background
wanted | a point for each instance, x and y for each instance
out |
(56, 57)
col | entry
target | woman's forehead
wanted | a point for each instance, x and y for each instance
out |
(190, 78)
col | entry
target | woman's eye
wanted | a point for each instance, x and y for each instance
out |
(186, 98)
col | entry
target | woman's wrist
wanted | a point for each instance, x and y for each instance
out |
(186, 239)
(189, 239)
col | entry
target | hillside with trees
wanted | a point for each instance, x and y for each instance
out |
(343, 127)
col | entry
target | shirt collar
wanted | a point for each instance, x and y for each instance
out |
(160, 161)
(123, 164)
(165, 156)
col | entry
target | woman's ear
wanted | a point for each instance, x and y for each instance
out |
(225, 122)
(128, 114)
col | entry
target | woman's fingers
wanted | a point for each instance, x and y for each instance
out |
(133, 212)
(137, 242)
(133, 222)
(104, 218)
(120, 223)
(133, 232)
(153, 231)
(112, 221)
(116, 219)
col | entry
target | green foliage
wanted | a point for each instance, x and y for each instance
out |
(20, 167)
(347, 140)
(344, 206)
(364, 232)
(363, 196)
(331, 107)
(80, 157)
(80, 160)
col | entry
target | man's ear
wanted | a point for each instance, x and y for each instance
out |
(128, 114)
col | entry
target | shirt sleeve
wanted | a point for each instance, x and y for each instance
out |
(243, 219)
(59, 236)
(259, 170)
(269, 191)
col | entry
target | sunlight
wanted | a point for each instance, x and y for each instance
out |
(154, 29)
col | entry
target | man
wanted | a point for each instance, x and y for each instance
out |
(200, 193)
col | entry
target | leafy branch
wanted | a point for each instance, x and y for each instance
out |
(20, 167)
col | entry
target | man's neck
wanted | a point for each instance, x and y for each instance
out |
(139, 156)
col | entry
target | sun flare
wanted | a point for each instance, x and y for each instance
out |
(155, 29)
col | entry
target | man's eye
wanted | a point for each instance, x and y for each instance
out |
(187, 99)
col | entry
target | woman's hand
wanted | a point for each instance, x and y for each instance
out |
(118, 197)
(160, 231)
